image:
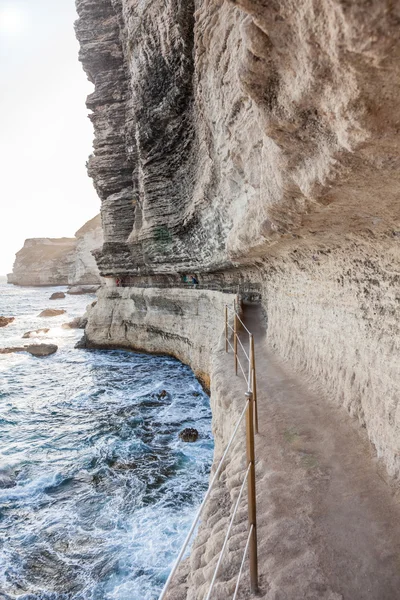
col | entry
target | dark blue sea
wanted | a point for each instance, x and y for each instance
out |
(97, 492)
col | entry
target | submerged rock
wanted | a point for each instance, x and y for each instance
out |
(4, 321)
(57, 296)
(189, 435)
(39, 350)
(83, 289)
(30, 334)
(52, 312)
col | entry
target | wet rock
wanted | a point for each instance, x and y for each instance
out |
(77, 323)
(36, 332)
(57, 296)
(38, 350)
(189, 435)
(52, 312)
(4, 321)
(83, 289)
(162, 394)
(81, 344)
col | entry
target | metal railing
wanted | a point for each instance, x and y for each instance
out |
(250, 476)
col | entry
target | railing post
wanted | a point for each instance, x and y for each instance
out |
(235, 330)
(226, 328)
(254, 381)
(251, 487)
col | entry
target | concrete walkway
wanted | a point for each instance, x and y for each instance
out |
(329, 523)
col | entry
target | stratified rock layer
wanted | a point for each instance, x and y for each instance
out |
(60, 261)
(256, 143)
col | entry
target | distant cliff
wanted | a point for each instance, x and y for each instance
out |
(59, 261)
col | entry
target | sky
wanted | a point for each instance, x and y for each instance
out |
(45, 134)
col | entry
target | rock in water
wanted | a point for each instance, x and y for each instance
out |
(4, 321)
(163, 394)
(52, 312)
(77, 323)
(29, 334)
(57, 296)
(39, 350)
(81, 344)
(189, 435)
(83, 289)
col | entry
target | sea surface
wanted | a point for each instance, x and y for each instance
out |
(97, 492)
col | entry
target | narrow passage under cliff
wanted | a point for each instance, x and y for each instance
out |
(329, 523)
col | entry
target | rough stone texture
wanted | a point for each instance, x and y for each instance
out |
(186, 325)
(59, 261)
(43, 261)
(4, 321)
(52, 312)
(78, 290)
(89, 238)
(261, 139)
(254, 143)
(38, 350)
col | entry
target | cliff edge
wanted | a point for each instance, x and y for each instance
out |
(59, 261)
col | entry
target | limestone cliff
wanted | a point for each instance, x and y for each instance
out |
(256, 143)
(59, 261)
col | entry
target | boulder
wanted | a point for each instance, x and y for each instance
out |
(30, 334)
(52, 312)
(4, 321)
(77, 323)
(83, 289)
(189, 435)
(39, 350)
(57, 296)
(81, 344)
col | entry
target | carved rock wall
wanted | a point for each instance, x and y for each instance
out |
(260, 138)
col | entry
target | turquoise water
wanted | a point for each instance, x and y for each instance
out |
(98, 491)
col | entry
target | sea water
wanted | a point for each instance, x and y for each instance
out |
(97, 492)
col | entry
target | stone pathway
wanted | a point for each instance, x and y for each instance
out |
(329, 519)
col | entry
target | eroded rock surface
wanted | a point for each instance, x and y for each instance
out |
(4, 321)
(52, 312)
(39, 350)
(254, 144)
(59, 261)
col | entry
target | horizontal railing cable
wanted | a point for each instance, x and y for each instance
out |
(221, 554)
(243, 348)
(199, 512)
(243, 561)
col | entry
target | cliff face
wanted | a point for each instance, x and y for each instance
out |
(63, 261)
(256, 144)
